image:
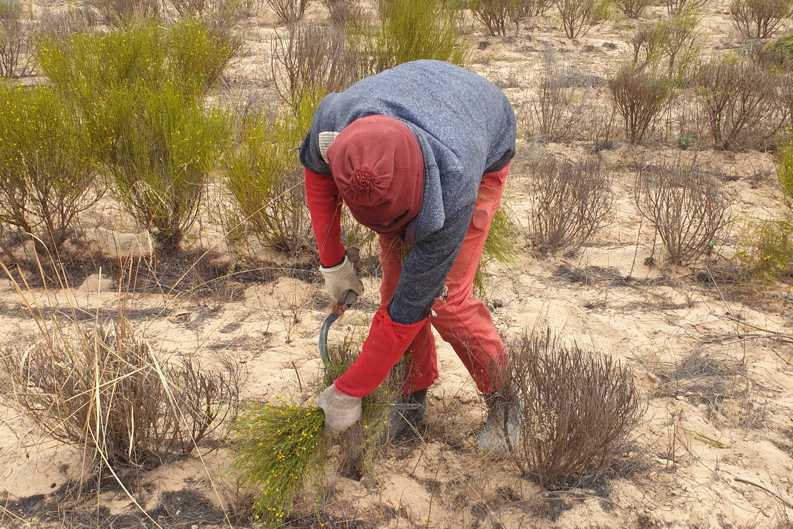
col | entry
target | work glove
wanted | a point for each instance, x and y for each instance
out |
(341, 411)
(341, 278)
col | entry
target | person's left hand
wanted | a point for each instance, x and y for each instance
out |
(341, 411)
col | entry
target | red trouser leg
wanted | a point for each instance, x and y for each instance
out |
(422, 367)
(461, 319)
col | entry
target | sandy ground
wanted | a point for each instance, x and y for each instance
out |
(693, 465)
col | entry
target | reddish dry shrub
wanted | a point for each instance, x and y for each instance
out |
(685, 205)
(576, 15)
(568, 204)
(640, 97)
(551, 115)
(578, 410)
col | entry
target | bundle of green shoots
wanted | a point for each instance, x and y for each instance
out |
(279, 446)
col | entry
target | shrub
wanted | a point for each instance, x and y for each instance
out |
(188, 56)
(99, 386)
(672, 41)
(551, 115)
(125, 12)
(160, 149)
(532, 8)
(639, 96)
(577, 16)
(46, 171)
(60, 24)
(685, 205)
(759, 19)
(288, 11)
(785, 173)
(740, 100)
(220, 11)
(15, 41)
(314, 60)
(412, 30)
(499, 247)
(680, 7)
(265, 181)
(568, 204)
(765, 250)
(344, 12)
(496, 15)
(633, 8)
(578, 410)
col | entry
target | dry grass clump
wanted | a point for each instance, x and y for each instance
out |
(701, 378)
(577, 16)
(552, 114)
(578, 410)
(99, 386)
(569, 202)
(312, 60)
(759, 19)
(288, 11)
(740, 100)
(639, 96)
(16, 42)
(685, 205)
(46, 169)
(633, 8)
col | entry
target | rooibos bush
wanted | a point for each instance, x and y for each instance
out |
(577, 410)
(288, 11)
(569, 202)
(639, 96)
(15, 41)
(161, 146)
(46, 169)
(577, 16)
(759, 19)
(684, 205)
(265, 181)
(496, 15)
(412, 30)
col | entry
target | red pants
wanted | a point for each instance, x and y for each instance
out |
(461, 319)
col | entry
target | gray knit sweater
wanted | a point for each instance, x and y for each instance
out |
(465, 127)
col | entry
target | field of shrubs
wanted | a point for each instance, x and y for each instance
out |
(160, 303)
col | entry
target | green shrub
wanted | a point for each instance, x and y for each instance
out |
(785, 173)
(670, 44)
(639, 97)
(264, 180)
(499, 247)
(765, 250)
(46, 171)
(188, 56)
(412, 30)
(159, 147)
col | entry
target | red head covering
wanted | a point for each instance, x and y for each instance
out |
(378, 168)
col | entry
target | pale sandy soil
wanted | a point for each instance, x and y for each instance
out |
(690, 463)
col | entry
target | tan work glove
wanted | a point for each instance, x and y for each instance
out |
(341, 278)
(341, 411)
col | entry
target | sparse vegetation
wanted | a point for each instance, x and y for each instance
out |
(552, 115)
(344, 12)
(46, 169)
(740, 101)
(765, 251)
(639, 97)
(680, 7)
(578, 410)
(670, 43)
(684, 205)
(412, 30)
(313, 60)
(127, 12)
(99, 386)
(633, 8)
(569, 202)
(496, 15)
(15, 41)
(577, 16)
(759, 19)
(288, 11)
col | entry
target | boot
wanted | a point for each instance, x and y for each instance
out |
(491, 437)
(407, 414)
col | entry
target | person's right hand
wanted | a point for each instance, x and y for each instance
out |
(340, 279)
(341, 411)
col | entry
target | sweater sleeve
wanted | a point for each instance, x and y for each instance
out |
(426, 267)
(324, 206)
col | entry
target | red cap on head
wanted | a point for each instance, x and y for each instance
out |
(378, 167)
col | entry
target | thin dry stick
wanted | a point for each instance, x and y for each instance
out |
(772, 493)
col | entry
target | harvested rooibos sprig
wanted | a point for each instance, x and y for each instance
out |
(277, 445)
